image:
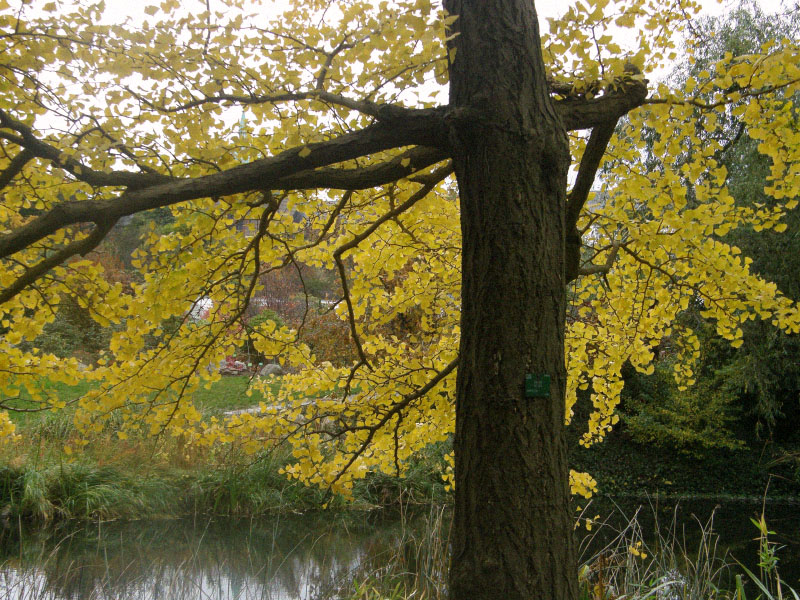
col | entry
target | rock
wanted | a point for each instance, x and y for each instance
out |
(271, 369)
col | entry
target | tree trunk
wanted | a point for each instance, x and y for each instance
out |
(512, 531)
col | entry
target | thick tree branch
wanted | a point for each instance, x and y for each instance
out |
(575, 113)
(28, 141)
(402, 165)
(425, 128)
(585, 114)
(590, 163)
(33, 273)
(297, 168)
(602, 114)
(15, 166)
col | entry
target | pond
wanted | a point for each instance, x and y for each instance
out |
(322, 555)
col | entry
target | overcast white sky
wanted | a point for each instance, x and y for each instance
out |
(553, 8)
(119, 9)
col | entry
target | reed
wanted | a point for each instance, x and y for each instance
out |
(249, 559)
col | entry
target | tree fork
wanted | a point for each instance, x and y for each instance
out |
(512, 534)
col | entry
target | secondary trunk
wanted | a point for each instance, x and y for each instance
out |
(512, 532)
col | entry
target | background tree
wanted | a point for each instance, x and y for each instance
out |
(101, 122)
(765, 368)
(757, 383)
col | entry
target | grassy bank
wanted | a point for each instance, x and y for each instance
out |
(623, 467)
(147, 485)
(85, 489)
(139, 477)
(144, 477)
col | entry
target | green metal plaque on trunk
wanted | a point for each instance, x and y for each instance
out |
(537, 385)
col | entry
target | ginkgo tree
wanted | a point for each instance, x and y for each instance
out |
(459, 241)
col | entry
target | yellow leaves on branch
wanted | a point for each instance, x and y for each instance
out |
(670, 221)
(7, 429)
(168, 97)
(594, 39)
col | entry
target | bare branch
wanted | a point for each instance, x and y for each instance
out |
(605, 268)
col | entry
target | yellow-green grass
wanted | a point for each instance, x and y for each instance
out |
(145, 476)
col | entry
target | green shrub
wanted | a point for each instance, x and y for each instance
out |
(657, 412)
(73, 331)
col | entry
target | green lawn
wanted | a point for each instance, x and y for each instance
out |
(64, 392)
(229, 393)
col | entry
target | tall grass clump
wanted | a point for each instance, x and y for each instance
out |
(768, 582)
(415, 567)
(669, 568)
(252, 486)
(421, 483)
(48, 492)
(666, 568)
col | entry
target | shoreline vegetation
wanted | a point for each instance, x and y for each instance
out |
(137, 476)
(632, 558)
(142, 477)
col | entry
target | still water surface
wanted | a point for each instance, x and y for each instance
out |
(309, 556)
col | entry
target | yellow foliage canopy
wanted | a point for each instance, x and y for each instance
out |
(102, 121)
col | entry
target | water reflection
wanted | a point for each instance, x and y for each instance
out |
(301, 557)
(297, 557)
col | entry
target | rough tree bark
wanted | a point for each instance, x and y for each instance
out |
(512, 534)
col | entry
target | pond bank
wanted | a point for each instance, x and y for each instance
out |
(374, 555)
(141, 477)
(624, 467)
(48, 491)
(115, 479)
